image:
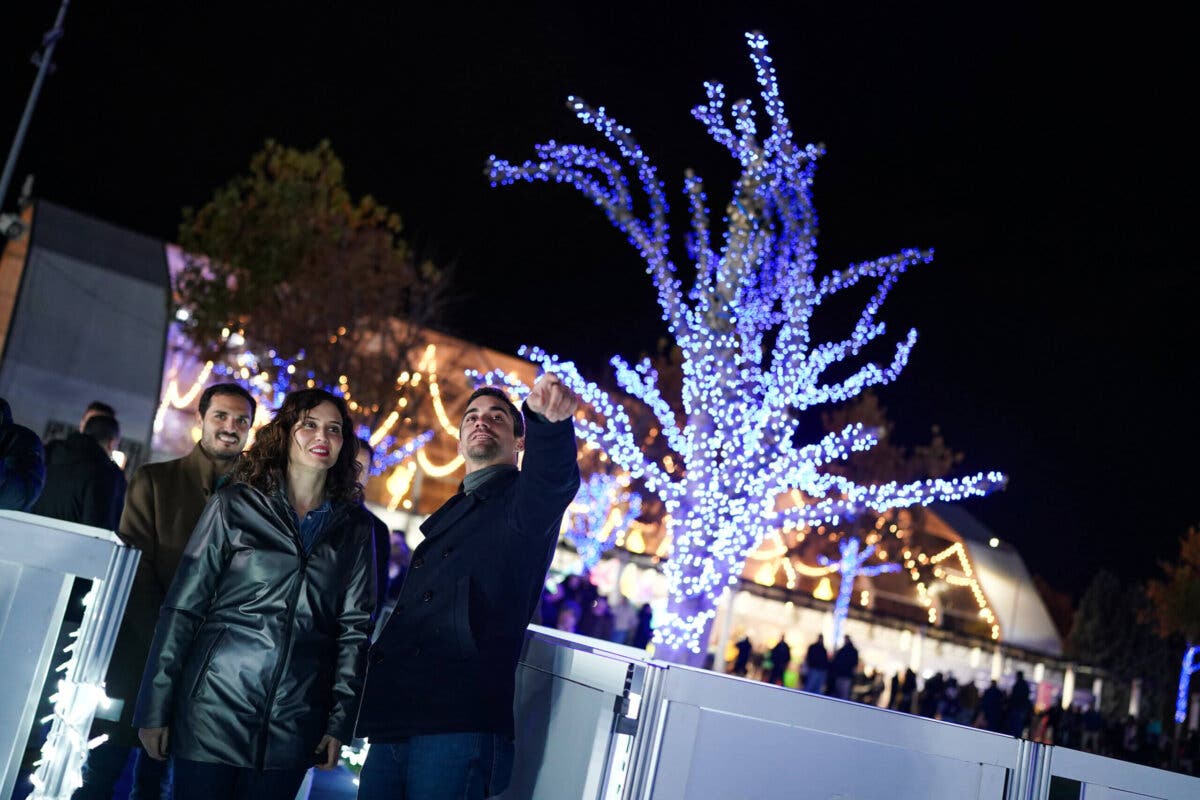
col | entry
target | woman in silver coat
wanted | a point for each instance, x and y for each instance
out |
(256, 669)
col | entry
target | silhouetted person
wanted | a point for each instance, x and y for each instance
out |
(82, 483)
(908, 691)
(968, 702)
(932, 696)
(781, 656)
(991, 707)
(744, 649)
(894, 691)
(1020, 709)
(644, 632)
(382, 536)
(96, 408)
(22, 463)
(845, 662)
(1092, 724)
(816, 666)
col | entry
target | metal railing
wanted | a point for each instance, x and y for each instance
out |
(605, 722)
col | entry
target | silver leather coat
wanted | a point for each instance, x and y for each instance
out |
(260, 647)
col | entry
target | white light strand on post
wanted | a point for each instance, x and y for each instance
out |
(759, 285)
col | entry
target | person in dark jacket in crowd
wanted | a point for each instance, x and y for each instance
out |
(438, 704)
(781, 656)
(162, 507)
(256, 668)
(991, 707)
(816, 666)
(383, 537)
(22, 463)
(845, 662)
(96, 408)
(742, 661)
(82, 483)
(1019, 710)
(643, 632)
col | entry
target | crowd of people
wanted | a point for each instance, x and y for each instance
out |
(942, 697)
(252, 647)
(575, 605)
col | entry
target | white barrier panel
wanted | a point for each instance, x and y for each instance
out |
(723, 737)
(576, 717)
(1110, 779)
(39, 560)
(597, 721)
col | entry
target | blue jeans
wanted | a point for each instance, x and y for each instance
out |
(105, 765)
(814, 680)
(200, 780)
(444, 766)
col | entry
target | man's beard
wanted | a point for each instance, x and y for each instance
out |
(483, 451)
(211, 447)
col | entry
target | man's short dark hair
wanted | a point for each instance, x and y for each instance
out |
(230, 389)
(502, 396)
(102, 427)
(101, 408)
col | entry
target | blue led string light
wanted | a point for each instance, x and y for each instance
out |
(1191, 663)
(595, 518)
(851, 565)
(736, 445)
(270, 377)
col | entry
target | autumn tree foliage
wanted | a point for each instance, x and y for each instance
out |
(288, 259)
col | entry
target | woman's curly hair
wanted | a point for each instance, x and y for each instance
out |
(264, 465)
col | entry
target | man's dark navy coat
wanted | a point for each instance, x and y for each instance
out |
(446, 659)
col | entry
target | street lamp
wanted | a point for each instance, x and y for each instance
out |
(10, 224)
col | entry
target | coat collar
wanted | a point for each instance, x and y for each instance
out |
(204, 470)
(460, 504)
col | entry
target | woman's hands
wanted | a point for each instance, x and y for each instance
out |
(155, 741)
(331, 750)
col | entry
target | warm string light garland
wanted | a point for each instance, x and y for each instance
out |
(738, 445)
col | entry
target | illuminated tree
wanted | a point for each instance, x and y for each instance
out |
(851, 564)
(603, 508)
(749, 362)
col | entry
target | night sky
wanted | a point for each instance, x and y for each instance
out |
(1048, 160)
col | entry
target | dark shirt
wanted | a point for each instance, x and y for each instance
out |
(313, 524)
(479, 477)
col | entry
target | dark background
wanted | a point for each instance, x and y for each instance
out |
(1047, 157)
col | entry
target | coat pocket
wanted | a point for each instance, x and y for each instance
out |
(208, 657)
(464, 639)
